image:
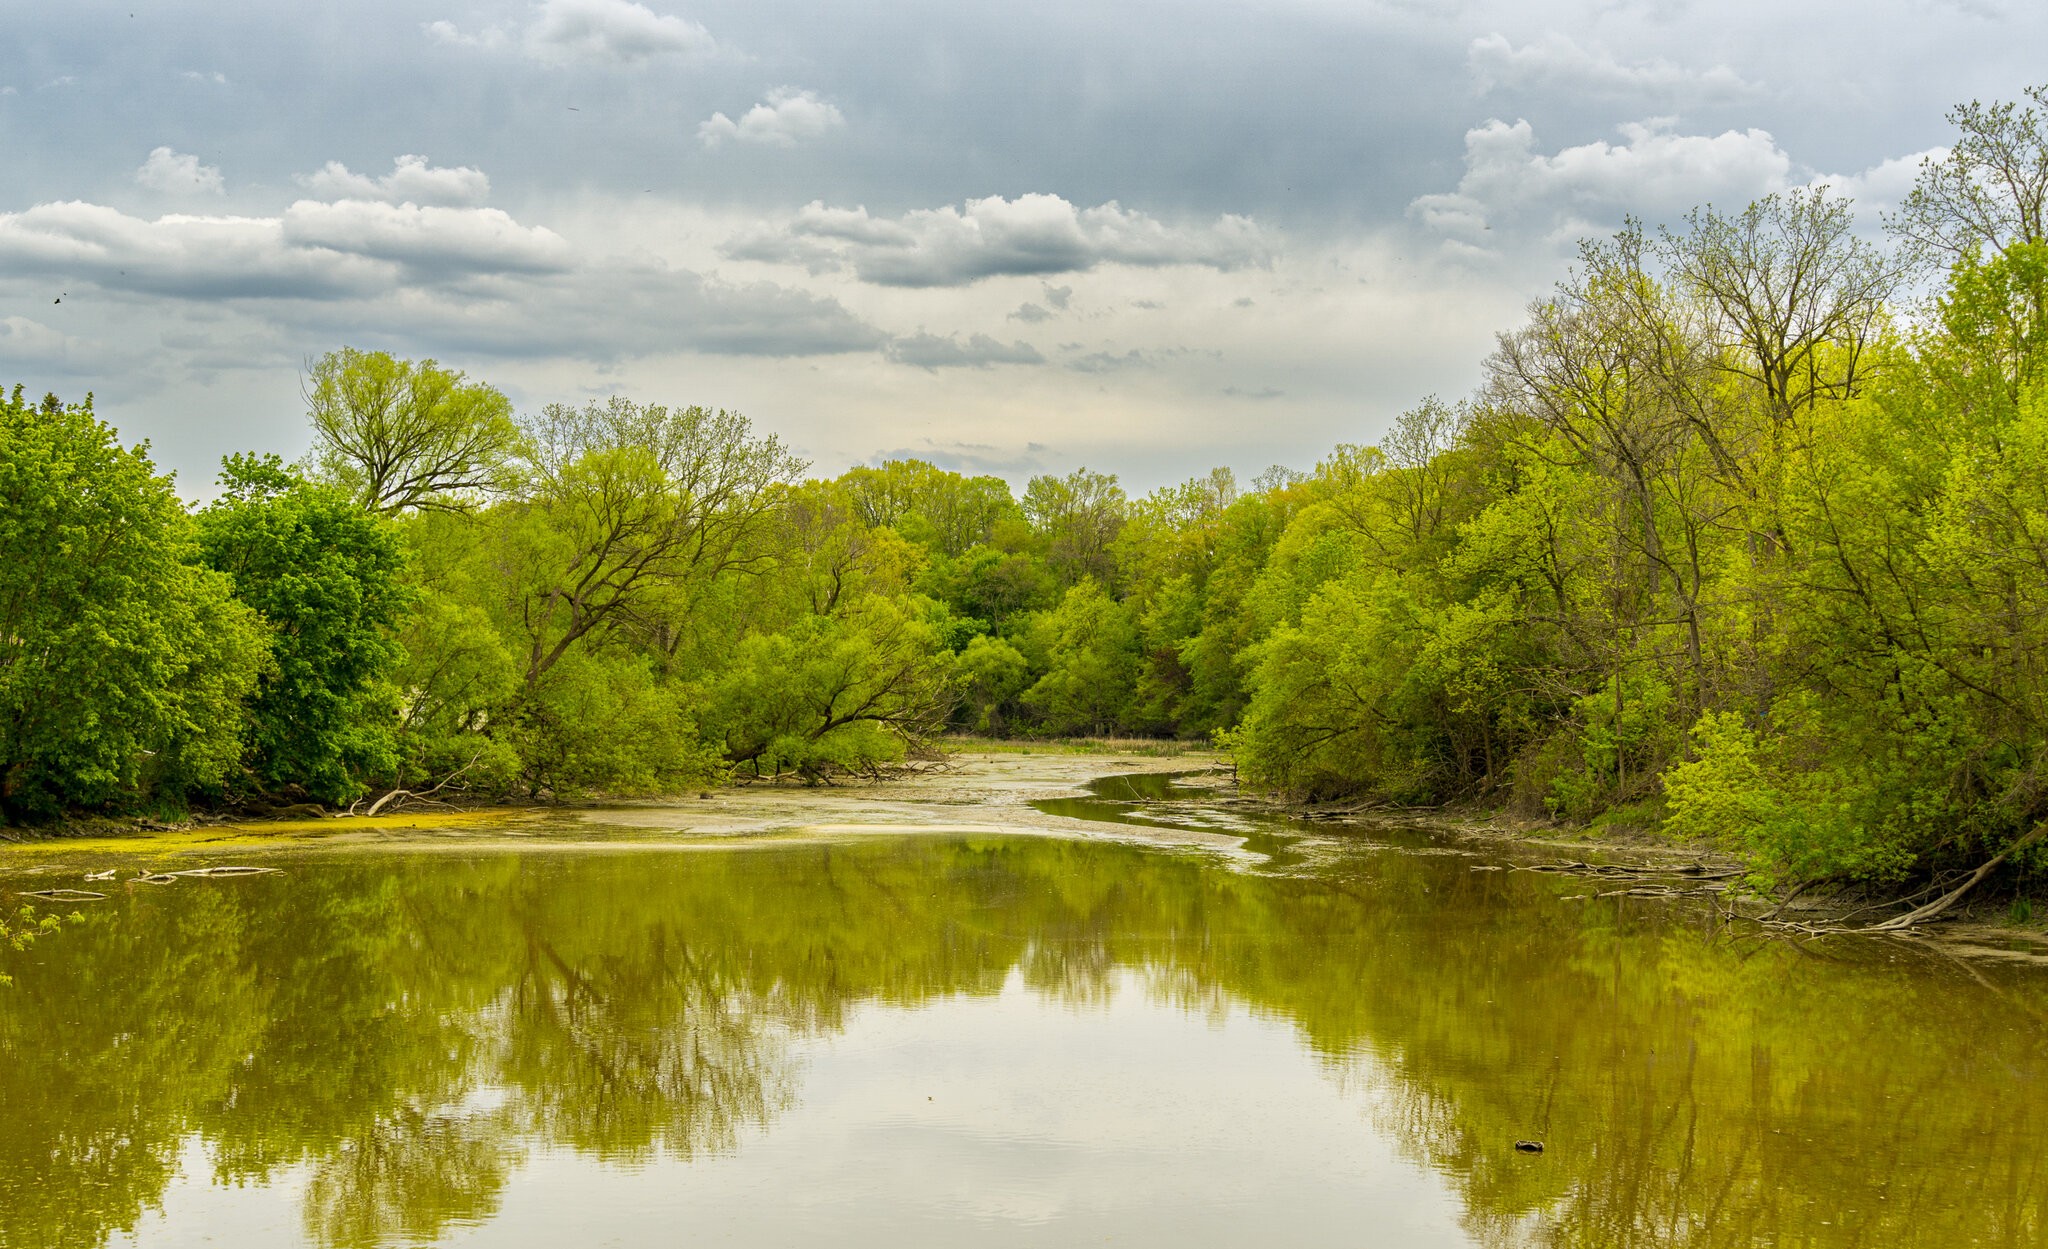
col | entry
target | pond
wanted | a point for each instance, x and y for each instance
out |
(624, 1029)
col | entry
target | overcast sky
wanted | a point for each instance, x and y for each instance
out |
(1148, 238)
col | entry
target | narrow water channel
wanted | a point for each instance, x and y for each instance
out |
(979, 1038)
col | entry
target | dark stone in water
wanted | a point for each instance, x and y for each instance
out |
(1529, 1147)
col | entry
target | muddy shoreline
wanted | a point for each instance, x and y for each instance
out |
(1006, 790)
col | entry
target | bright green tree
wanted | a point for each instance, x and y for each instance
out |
(993, 673)
(404, 434)
(1092, 661)
(328, 578)
(122, 663)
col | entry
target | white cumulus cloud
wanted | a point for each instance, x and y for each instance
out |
(1032, 234)
(437, 241)
(472, 279)
(788, 117)
(311, 251)
(412, 179)
(447, 32)
(1655, 173)
(1881, 187)
(178, 173)
(184, 256)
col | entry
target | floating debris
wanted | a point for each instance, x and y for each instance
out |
(1528, 1147)
(226, 871)
(146, 877)
(1633, 871)
(65, 895)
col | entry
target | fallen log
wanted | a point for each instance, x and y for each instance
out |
(1921, 915)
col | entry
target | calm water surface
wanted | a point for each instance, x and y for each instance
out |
(953, 1040)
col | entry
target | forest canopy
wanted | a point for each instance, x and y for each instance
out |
(1745, 534)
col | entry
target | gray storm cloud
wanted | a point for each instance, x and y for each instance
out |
(1114, 226)
(464, 278)
(979, 351)
(1557, 62)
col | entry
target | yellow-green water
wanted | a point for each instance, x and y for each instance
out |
(958, 1039)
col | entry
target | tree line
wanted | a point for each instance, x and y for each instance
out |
(1743, 534)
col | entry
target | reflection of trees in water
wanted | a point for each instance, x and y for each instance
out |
(410, 1174)
(1693, 1095)
(102, 1053)
(405, 1036)
(657, 1046)
(638, 1051)
(621, 1053)
(409, 1030)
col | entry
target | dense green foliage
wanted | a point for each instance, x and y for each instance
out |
(327, 578)
(123, 662)
(1745, 532)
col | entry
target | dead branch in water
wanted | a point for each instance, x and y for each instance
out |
(225, 871)
(404, 796)
(1790, 894)
(1898, 924)
(1922, 914)
(1629, 871)
(144, 876)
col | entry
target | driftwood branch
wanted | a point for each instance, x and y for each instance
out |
(1631, 871)
(1922, 914)
(403, 796)
(1898, 924)
(225, 871)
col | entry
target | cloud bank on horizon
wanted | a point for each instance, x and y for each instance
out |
(1006, 238)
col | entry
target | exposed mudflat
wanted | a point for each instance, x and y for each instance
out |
(1187, 800)
(975, 792)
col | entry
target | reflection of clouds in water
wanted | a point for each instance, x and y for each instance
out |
(881, 1040)
(992, 1118)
